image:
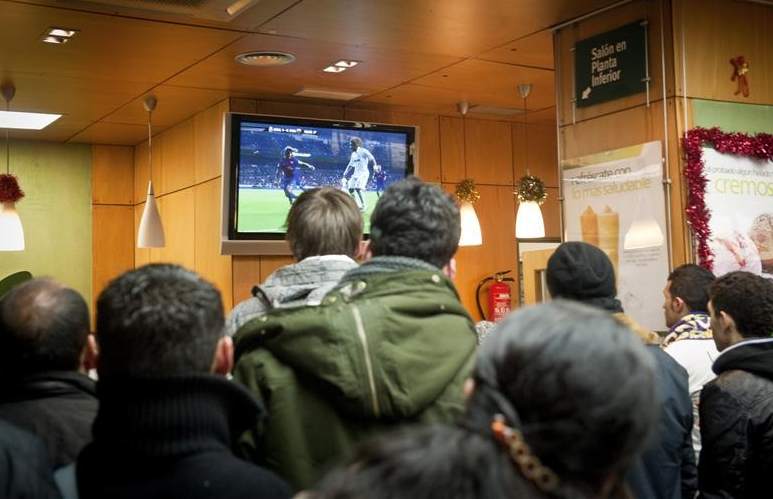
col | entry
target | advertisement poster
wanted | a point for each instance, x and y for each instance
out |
(614, 200)
(739, 195)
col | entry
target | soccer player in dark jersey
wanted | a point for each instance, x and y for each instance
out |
(379, 175)
(286, 171)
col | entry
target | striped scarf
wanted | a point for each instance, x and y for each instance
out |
(695, 326)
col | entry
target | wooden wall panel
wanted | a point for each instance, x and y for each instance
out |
(177, 158)
(452, 149)
(489, 151)
(208, 142)
(551, 209)
(723, 30)
(112, 174)
(177, 214)
(496, 213)
(112, 244)
(539, 153)
(141, 255)
(208, 261)
(300, 109)
(268, 264)
(246, 274)
(613, 131)
(141, 172)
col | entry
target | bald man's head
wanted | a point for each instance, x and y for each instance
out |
(43, 327)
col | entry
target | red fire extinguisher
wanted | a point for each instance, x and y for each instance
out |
(499, 296)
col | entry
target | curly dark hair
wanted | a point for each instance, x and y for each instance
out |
(748, 299)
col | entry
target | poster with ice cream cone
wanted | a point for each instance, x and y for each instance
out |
(739, 195)
(614, 200)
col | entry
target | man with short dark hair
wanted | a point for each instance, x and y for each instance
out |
(737, 407)
(167, 415)
(44, 354)
(390, 345)
(324, 229)
(689, 340)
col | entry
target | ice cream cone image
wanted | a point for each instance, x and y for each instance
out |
(609, 235)
(589, 226)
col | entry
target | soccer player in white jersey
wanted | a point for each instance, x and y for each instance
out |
(358, 163)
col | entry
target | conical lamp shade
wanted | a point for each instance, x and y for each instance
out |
(643, 234)
(151, 233)
(471, 235)
(528, 221)
(11, 230)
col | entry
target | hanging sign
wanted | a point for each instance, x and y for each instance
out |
(611, 65)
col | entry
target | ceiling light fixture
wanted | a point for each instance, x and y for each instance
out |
(341, 66)
(151, 230)
(467, 194)
(529, 223)
(11, 229)
(58, 36)
(238, 6)
(26, 121)
(265, 58)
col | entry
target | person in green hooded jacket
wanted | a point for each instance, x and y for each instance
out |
(391, 345)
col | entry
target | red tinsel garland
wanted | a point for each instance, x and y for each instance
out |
(10, 192)
(758, 146)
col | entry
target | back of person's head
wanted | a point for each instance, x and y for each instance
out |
(417, 220)
(158, 320)
(748, 299)
(691, 283)
(573, 389)
(44, 326)
(324, 221)
(582, 272)
(434, 462)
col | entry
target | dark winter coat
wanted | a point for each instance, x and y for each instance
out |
(158, 438)
(392, 345)
(667, 469)
(25, 472)
(58, 406)
(737, 424)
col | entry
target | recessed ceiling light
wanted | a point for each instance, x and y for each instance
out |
(262, 58)
(26, 121)
(58, 36)
(346, 64)
(334, 69)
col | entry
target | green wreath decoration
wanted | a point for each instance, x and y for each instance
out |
(531, 188)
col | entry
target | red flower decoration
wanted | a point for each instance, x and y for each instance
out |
(10, 192)
(759, 146)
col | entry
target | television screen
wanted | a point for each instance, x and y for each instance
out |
(274, 159)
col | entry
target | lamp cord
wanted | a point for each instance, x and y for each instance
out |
(526, 132)
(150, 145)
(7, 143)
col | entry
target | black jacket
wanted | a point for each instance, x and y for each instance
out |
(158, 438)
(736, 412)
(59, 407)
(667, 468)
(24, 469)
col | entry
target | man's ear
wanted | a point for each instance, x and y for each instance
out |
(90, 354)
(223, 362)
(363, 252)
(469, 387)
(449, 269)
(726, 322)
(679, 306)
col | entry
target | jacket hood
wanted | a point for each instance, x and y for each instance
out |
(753, 356)
(306, 281)
(383, 347)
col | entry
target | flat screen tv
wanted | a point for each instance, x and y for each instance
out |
(270, 160)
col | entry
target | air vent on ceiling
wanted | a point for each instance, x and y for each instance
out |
(264, 58)
(212, 10)
(320, 93)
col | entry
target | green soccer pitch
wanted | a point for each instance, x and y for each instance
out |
(265, 210)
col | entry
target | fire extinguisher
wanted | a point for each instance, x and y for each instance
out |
(499, 296)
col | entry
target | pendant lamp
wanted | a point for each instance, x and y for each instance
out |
(467, 193)
(151, 231)
(529, 223)
(11, 229)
